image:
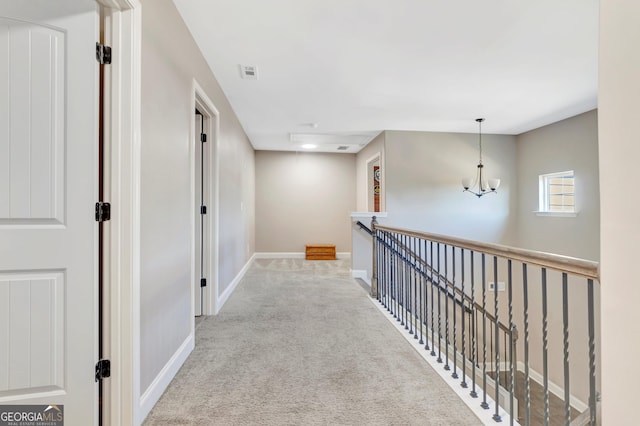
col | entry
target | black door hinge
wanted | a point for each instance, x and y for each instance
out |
(103, 211)
(203, 282)
(203, 209)
(103, 54)
(103, 369)
(203, 137)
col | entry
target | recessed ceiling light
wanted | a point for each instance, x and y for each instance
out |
(309, 146)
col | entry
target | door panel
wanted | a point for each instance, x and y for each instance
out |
(48, 181)
(33, 304)
(32, 181)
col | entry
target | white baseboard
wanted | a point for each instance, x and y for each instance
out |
(222, 299)
(576, 403)
(279, 255)
(294, 255)
(362, 274)
(153, 393)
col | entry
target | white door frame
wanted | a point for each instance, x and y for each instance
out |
(201, 101)
(122, 31)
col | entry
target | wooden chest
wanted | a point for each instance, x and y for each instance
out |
(320, 252)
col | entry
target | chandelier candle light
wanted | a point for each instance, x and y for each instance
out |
(484, 186)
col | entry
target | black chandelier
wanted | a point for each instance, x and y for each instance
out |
(480, 186)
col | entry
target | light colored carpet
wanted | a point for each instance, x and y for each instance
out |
(299, 343)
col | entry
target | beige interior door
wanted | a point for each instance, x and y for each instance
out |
(48, 180)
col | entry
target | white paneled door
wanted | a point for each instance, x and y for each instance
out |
(48, 181)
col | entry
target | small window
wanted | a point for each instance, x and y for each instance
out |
(557, 193)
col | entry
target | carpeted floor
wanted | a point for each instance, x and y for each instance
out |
(299, 343)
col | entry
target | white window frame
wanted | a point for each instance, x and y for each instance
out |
(543, 195)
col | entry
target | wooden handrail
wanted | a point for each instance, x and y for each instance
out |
(581, 267)
(364, 227)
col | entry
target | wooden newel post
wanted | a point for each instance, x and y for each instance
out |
(374, 267)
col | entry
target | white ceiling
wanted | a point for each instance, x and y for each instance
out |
(357, 67)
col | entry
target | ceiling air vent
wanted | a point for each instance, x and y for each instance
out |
(343, 148)
(248, 72)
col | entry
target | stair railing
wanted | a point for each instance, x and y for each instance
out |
(447, 293)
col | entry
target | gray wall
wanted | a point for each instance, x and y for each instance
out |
(571, 144)
(170, 61)
(304, 198)
(423, 173)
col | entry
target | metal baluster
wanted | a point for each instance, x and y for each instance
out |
(403, 271)
(397, 279)
(403, 288)
(402, 304)
(496, 415)
(379, 284)
(385, 270)
(527, 379)
(422, 281)
(446, 309)
(455, 322)
(439, 309)
(433, 341)
(490, 349)
(388, 273)
(484, 404)
(380, 268)
(405, 285)
(414, 274)
(592, 354)
(474, 329)
(505, 362)
(394, 278)
(426, 298)
(565, 345)
(463, 313)
(545, 348)
(512, 372)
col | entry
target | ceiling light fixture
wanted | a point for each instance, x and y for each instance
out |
(484, 186)
(309, 146)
